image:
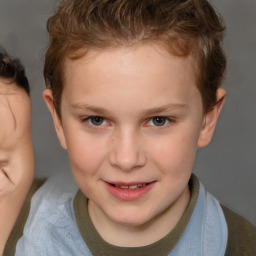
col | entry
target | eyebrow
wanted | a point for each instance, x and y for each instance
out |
(97, 110)
(147, 112)
(165, 108)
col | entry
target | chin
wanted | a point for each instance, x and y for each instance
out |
(131, 218)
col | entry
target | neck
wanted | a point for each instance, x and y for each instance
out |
(139, 235)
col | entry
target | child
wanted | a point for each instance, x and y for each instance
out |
(16, 155)
(134, 90)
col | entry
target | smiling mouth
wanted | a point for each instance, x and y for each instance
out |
(130, 187)
(129, 191)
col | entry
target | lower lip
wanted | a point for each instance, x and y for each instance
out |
(129, 195)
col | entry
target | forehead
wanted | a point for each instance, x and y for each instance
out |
(14, 109)
(148, 57)
(142, 72)
(9, 87)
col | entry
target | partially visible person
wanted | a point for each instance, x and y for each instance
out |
(16, 152)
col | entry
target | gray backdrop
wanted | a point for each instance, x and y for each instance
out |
(227, 167)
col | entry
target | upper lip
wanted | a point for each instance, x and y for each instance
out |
(136, 183)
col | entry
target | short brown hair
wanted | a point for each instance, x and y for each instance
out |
(183, 26)
(12, 70)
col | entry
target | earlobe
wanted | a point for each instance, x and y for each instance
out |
(210, 120)
(48, 98)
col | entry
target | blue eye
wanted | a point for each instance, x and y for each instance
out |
(159, 121)
(95, 121)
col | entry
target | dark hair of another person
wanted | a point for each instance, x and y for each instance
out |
(12, 70)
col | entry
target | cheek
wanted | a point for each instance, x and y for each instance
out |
(176, 153)
(85, 154)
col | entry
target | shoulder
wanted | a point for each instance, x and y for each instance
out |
(48, 201)
(17, 230)
(241, 235)
(51, 227)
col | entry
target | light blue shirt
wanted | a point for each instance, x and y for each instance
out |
(51, 226)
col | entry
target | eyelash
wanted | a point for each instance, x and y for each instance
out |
(88, 121)
(167, 121)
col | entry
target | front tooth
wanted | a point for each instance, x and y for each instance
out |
(124, 186)
(133, 187)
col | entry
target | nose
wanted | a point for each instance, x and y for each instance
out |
(127, 153)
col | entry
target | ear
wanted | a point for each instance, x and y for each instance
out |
(210, 120)
(48, 98)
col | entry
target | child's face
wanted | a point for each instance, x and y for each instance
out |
(131, 117)
(16, 156)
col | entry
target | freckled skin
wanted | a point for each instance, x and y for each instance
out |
(128, 88)
(16, 154)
